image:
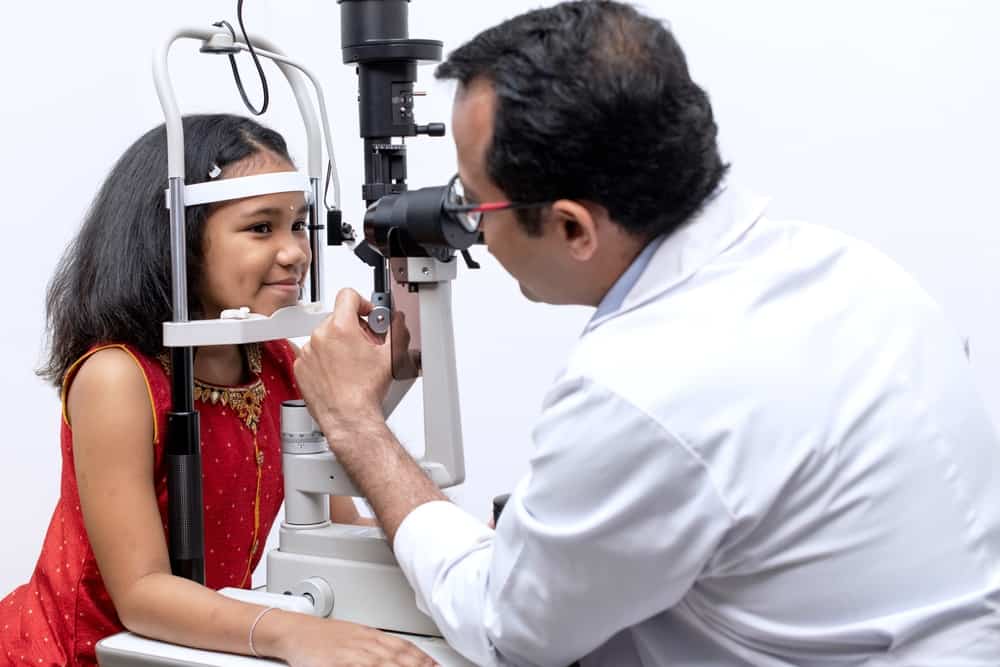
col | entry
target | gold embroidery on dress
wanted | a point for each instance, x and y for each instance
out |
(246, 402)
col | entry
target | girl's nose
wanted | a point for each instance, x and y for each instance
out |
(293, 252)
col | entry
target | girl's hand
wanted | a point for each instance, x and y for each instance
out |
(320, 642)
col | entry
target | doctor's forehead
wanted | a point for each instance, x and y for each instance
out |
(472, 120)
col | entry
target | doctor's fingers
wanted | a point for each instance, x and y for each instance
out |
(346, 324)
(349, 306)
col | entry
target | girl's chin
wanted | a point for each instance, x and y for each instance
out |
(270, 307)
(279, 296)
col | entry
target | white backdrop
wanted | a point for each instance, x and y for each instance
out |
(876, 118)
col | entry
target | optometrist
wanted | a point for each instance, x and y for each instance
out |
(766, 448)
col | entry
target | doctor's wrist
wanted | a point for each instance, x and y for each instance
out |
(344, 432)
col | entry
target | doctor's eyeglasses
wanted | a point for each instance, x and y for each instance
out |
(470, 214)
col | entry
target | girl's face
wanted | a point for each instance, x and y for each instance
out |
(256, 249)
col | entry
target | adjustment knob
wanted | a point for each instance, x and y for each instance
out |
(431, 129)
(378, 319)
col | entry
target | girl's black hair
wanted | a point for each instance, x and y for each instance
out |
(113, 282)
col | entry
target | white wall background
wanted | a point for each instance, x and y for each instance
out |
(878, 118)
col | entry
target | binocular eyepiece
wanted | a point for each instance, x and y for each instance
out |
(420, 219)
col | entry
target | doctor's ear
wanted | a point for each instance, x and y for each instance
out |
(577, 224)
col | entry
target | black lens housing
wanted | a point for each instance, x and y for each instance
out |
(421, 220)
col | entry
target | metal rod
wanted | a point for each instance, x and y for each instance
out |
(183, 452)
(178, 249)
(316, 243)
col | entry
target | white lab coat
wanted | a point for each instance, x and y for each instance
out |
(769, 453)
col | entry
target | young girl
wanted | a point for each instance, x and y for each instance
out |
(104, 565)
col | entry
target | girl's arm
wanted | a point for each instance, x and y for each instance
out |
(343, 510)
(110, 411)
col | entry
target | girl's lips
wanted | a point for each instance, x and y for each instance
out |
(289, 288)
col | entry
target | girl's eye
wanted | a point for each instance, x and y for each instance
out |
(299, 226)
(261, 228)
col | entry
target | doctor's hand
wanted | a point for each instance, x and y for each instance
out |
(322, 642)
(345, 369)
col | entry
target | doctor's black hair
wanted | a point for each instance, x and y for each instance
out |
(595, 102)
(113, 283)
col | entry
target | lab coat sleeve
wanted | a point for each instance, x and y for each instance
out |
(612, 525)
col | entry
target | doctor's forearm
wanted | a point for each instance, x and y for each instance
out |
(382, 470)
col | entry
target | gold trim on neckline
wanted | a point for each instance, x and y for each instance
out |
(246, 401)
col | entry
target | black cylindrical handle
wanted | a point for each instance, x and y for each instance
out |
(184, 497)
(432, 129)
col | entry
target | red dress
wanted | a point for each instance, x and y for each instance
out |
(58, 616)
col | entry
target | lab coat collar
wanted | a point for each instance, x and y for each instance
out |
(722, 220)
